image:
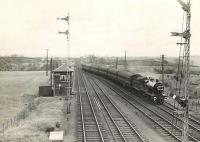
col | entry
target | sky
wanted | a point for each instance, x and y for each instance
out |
(98, 27)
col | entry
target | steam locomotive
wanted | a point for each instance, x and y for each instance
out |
(147, 86)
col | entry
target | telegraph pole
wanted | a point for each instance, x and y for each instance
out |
(51, 68)
(163, 63)
(47, 62)
(116, 62)
(186, 6)
(125, 63)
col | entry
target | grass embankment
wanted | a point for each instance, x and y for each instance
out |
(16, 88)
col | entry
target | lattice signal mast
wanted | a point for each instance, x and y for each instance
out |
(186, 64)
(67, 33)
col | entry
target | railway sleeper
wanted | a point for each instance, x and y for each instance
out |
(90, 123)
(127, 132)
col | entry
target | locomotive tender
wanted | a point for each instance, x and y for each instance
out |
(148, 87)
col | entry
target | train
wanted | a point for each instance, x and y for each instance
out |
(148, 87)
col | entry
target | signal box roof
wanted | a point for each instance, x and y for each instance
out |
(63, 68)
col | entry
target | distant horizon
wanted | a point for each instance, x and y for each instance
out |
(18, 55)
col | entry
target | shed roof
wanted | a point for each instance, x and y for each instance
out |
(63, 68)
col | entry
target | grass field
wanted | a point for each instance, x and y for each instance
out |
(14, 87)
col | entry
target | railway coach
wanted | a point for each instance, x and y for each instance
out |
(103, 71)
(86, 67)
(125, 78)
(148, 87)
(113, 74)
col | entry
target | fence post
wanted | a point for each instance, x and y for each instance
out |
(196, 106)
(11, 123)
(192, 104)
(14, 121)
(7, 124)
(3, 127)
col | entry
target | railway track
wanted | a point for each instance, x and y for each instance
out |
(173, 108)
(194, 124)
(88, 127)
(118, 124)
(167, 127)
